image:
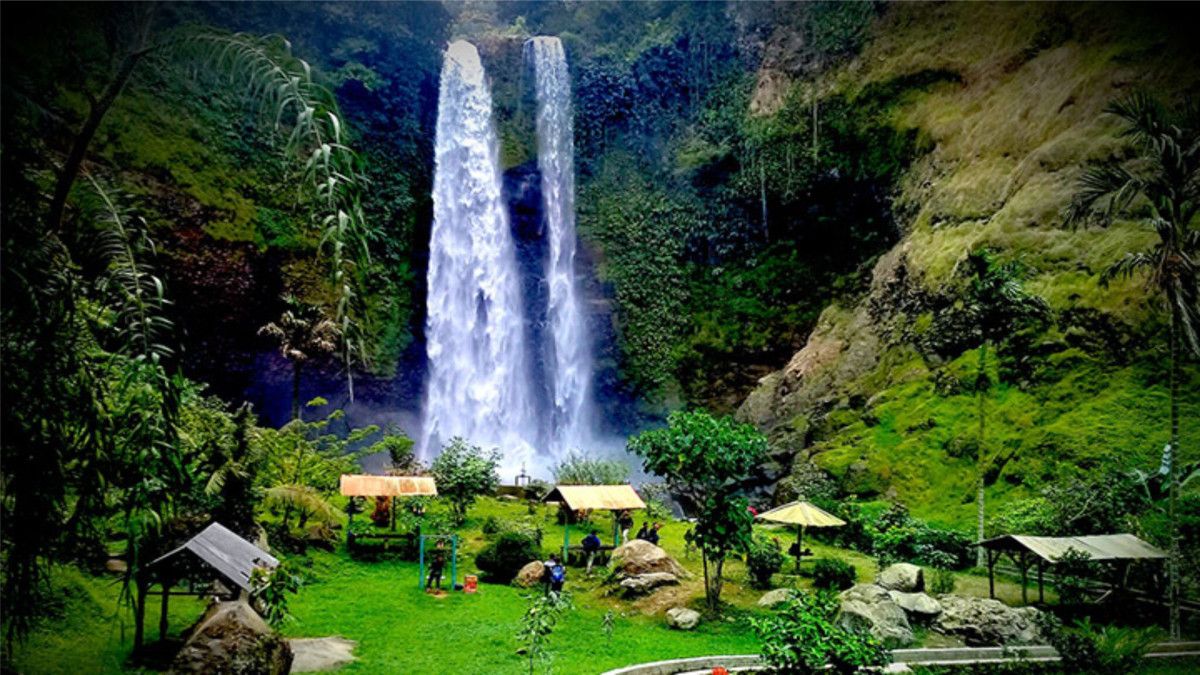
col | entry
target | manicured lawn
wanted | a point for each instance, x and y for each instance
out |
(400, 629)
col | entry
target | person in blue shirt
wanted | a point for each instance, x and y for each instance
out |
(591, 546)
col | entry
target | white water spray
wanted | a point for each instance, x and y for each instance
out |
(570, 363)
(478, 384)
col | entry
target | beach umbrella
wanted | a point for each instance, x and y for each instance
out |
(804, 515)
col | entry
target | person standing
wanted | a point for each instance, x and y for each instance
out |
(591, 546)
(555, 575)
(437, 564)
(652, 535)
(625, 520)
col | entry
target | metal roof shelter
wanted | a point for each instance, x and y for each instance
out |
(361, 485)
(594, 498)
(1109, 548)
(234, 559)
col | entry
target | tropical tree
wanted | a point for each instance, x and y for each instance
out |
(302, 333)
(1160, 179)
(704, 460)
(996, 305)
(463, 473)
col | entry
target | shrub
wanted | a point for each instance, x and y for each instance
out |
(500, 560)
(834, 574)
(491, 525)
(764, 557)
(1110, 649)
(804, 636)
(1074, 569)
(942, 581)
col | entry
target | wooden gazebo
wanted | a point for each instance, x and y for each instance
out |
(367, 485)
(613, 498)
(1026, 551)
(219, 551)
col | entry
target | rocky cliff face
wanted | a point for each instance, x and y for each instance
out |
(878, 396)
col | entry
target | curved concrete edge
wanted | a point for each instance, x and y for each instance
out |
(927, 656)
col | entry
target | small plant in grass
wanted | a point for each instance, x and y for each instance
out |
(500, 560)
(764, 557)
(804, 636)
(541, 616)
(607, 624)
(941, 581)
(833, 574)
(269, 591)
(491, 525)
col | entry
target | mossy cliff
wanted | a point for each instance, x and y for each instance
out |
(882, 396)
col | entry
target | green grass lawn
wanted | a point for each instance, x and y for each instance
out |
(401, 629)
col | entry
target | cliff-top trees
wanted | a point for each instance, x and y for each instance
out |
(1163, 176)
(704, 460)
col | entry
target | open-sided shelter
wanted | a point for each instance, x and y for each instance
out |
(614, 498)
(215, 552)
(390, 487)
(1026, 550)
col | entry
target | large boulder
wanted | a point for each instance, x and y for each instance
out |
(682, 618)
(232, 638)
(644, 583)
(638, 557)
(869, 608)
(902, 577)
(918, 605)
(982, 622)
(531, 574)
(776, 597)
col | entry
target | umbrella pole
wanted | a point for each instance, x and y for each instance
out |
(799, 546)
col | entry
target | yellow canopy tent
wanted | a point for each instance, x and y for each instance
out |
(805, 515)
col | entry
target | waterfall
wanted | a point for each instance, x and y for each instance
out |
(570, 353)
(478, 385)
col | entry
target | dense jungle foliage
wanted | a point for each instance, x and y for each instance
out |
(778, 206)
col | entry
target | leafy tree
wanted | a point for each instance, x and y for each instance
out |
(704, 460)
(764, 557)
(302, 333)
(579, 469)
(463, 473)
(399, 449)
(804, 636)
(996, 305)
(1163, 175)
(269, 591)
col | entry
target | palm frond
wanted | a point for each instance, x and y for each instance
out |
(1104, 190)
(1144, 117)
(303, 498)
(1129, 265)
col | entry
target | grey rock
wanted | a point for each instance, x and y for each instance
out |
(530, 575)
(232, 638)
(902, 577)
(918, 605)
(638, 557)
(682, 618)
(644, 583)
(775, 597)
(982, 622)
(869, 607)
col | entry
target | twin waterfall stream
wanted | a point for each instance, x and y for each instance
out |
(481, 364)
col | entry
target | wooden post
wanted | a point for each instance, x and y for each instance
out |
(1041, 582)
(1024, 562)
(991, 565)
(392, 511)
(139, 617)
(162, 614)
(799, 547)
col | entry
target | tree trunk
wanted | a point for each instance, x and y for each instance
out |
(1172, 480)
(979, 453)
(96, 112)
(707, 586)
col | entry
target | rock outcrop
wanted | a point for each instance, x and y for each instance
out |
(776, 597)
(638, 557)
(903, 577)
(232, 638)
(530, 575)
(870, 608)
(919, 606)
(982, 622)
(682, 618)
(642, 584)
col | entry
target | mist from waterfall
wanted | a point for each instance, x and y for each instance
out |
(570, 358)
(478, 383)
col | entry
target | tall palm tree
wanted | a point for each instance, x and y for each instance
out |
(302, 333)
(1163, 174)
(997, 304)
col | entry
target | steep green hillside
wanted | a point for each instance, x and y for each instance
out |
(1009, 98)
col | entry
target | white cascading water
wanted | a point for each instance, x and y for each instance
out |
(570, 362)
(478, 384)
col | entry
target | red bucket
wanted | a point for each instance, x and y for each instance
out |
(470, 583)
